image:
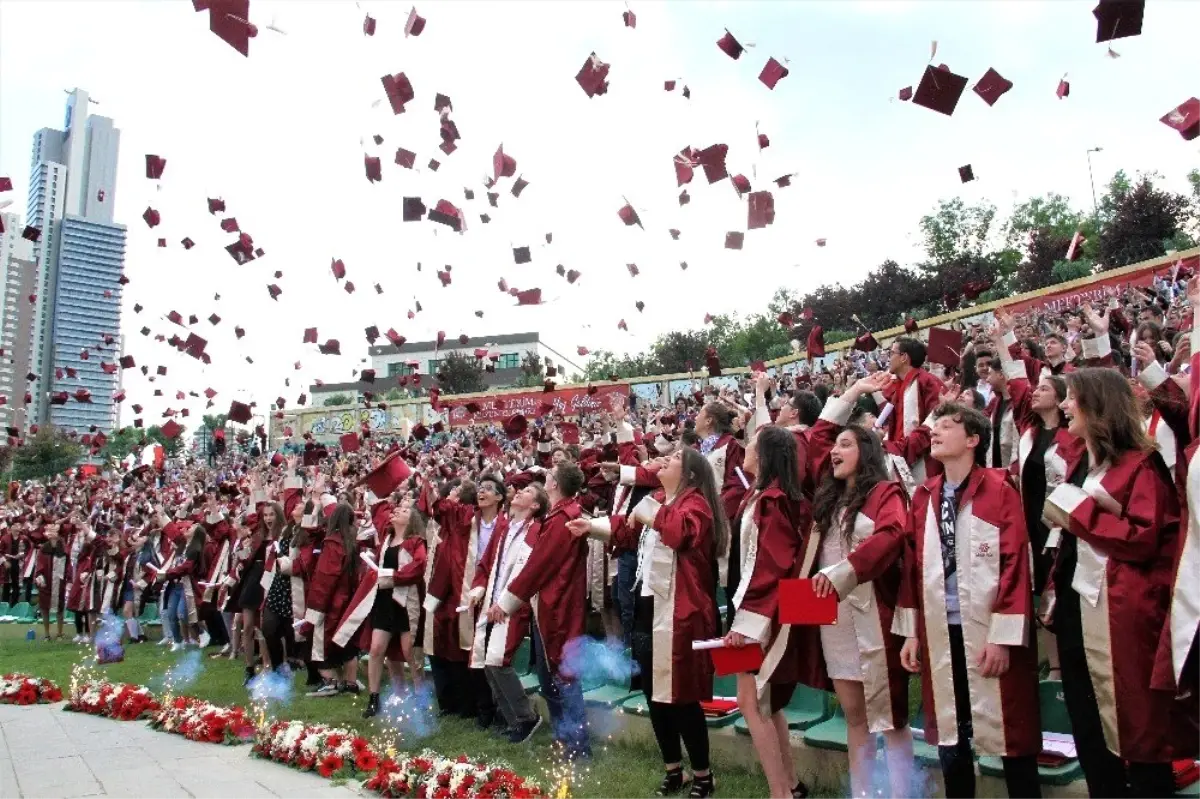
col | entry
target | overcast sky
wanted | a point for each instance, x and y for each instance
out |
(281, 136)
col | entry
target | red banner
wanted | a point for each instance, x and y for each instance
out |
(568, 402)
(1063, 299)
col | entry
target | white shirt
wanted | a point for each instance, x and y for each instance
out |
(485, 535)
(505, 560)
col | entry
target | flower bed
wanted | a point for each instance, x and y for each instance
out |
(202, 721)
(431, 776)
(121, 701)
(21, 689)
(337, 753)
(332, 752)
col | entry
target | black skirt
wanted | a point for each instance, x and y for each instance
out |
(250, 590)
(388, 616)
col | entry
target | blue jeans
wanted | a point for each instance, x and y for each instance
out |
(564, 700)
(626, 572)
(176, 615)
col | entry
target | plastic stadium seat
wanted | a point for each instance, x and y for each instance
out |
(1054, 719)
(828, 734)
(808, 707)
(609, 694)
(722, 686)
(24, 613)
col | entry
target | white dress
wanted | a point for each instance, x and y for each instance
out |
(839, 642)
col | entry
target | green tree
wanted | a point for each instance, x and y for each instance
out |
(395, 394)
(1145, 221)
(171, 446)
(1049, 215)
(683, 350)
(336, 399)
(463, 374)
(122, 442)
(759, 337)
(533, 372)
(48, 453)
(214, 421)
(604, 365)
(955, 229)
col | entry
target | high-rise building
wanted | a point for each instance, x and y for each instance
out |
(79, 258)
(17, 273)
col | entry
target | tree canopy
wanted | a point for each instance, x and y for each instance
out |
(47, 453)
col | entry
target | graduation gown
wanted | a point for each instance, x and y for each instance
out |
(80, 597)
(774, 531)
(409, 571)
(680, 575)
(328, 593)
(555, 572)
(1126, 522)
(448, 633)
(995, 592)
(726, 458)
(51, 569)
(504, 558)
(912, 400)
(185, 571)
(869, 580)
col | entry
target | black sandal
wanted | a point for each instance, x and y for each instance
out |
(703, 787)
(672, 783)
(800, 791)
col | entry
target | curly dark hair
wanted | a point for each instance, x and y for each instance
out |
(831, 496)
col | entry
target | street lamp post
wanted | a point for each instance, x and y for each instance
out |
(1092, 180)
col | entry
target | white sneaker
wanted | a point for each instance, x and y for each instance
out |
(164, 641)
(225, 650)
(78, 639)
(176, 647)
(204, 640)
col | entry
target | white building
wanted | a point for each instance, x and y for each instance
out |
(390, 362)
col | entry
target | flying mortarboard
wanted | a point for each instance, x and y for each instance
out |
(734, 240)
(152, 217)
(992, 86)
(944, 346)
(939, 90)
(1117, 19)
(1185, 119)
(398, 90)
(413, 27)
(966, 174)
(155, 166)
(239, 412)
(730, 46)
(772, 73)
(592, 77)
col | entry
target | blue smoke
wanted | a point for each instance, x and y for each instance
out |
(411, 711)
(595, 663)
(185, 672)
(272, 687)
(108, 640)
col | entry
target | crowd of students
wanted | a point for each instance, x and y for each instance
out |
(1026, 509)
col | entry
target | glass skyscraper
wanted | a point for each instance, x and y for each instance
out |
(79, 258)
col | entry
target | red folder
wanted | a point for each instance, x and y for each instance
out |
(728, 660)
(799, 605)
(716, 708)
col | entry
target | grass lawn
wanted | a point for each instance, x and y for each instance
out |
(618, 770)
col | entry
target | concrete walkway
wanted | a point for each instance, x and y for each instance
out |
(45, 752)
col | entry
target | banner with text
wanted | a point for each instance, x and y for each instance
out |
(568, 402)
(1057, 301)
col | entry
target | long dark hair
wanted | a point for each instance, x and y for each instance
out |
(341, 524)
(273, 532)
(832, 495)
(300, 536)
(778, 462)
(1110, 414)
(698, 474)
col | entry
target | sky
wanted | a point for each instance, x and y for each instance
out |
(281, 136)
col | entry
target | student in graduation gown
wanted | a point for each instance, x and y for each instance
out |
(1112, 579)
(774, 517)
(328, 594)
(448, 633)
(965, 607)
(181, 580)
(378, 613)
(861, 520)
(678, 531)
(913, 395)
(554, 581)
(50, 577)
(496, 644)
(714, 425)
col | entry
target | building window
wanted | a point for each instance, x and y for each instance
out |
(434, 365)
(510, 361)
(399, 368)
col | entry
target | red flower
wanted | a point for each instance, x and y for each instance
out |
(359, 743)
(330, 764)
(306, 762)
(366, 761)
(334, 741)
